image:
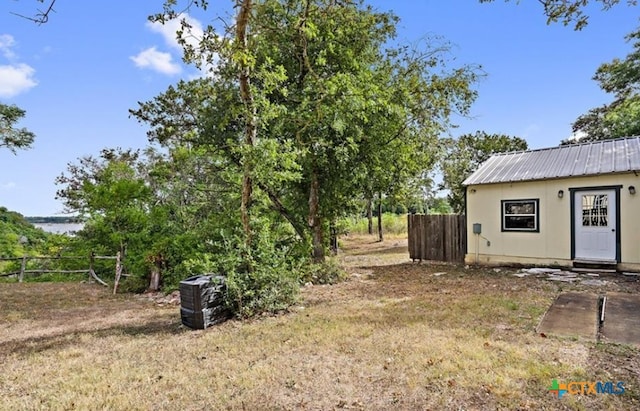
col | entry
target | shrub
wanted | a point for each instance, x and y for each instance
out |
(133, 284)
(264, 277)
(265, 289)
(326, 273)
(394, 223)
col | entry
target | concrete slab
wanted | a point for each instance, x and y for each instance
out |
(622, 319)
(572, 315)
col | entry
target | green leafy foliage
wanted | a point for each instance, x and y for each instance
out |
(177, 212)
(620, 118)
(439, 205)
(18, 237)
(339, 112)
(130, 208)
(462, 156)
(332, 108)
(134, 284)
(263, 278)
(391, 223)
(12, 137)
(328, 272)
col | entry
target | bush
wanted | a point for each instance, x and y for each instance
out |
(326, 273)
(262, 278)
(265, 289)
(394, 223)
(133, 284)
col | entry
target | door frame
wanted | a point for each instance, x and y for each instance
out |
(572, 192)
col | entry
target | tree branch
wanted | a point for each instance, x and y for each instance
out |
(42, 16)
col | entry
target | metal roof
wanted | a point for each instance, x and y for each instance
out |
(599, 157)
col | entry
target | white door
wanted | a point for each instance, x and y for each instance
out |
(595, 225)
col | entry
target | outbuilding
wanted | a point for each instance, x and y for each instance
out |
(561, 206)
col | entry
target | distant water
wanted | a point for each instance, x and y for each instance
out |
(56, 228)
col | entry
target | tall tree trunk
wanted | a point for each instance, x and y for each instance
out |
(380, 233)
(251, 121)
(333, 239)
(154, 284)
(298, 226)
(157, 261)
(370, 214)
(245, 204)
(315, 222)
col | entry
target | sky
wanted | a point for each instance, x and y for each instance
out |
(79, 74)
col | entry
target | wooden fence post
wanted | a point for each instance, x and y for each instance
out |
(92, 260)
(23, 267)
(92, 272)
(118, 273)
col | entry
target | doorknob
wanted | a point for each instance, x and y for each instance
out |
(613, 229)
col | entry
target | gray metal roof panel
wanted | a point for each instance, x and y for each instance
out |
(608, 158)
(633, 161)
(599, 157)
(569, 167)
(582, 160)
(621, 157)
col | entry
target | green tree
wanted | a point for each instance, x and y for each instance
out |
(439, 205)
(111, 193)
(17, 236)
(403, 145)
(572, 11)
(12, 137)
(620, 118)
(462, 156)
(332, 105)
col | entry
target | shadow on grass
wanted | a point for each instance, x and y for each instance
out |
(411, 270)
(382, 250)
(58, 341)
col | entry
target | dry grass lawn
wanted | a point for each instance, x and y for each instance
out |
(397, 335)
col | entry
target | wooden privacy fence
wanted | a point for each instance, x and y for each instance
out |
(437, 237)
(90, 271)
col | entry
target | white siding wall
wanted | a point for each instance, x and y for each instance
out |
(552, 245)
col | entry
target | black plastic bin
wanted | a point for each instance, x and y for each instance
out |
(202, 301)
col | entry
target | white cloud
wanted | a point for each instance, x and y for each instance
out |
(164, 61)
(15, 79)
(6, 44)
(169, 31)
(156, 60)
(7, 186)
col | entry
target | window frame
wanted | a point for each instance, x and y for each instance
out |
(536, 215)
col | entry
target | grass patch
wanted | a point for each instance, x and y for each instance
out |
(395, 336)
